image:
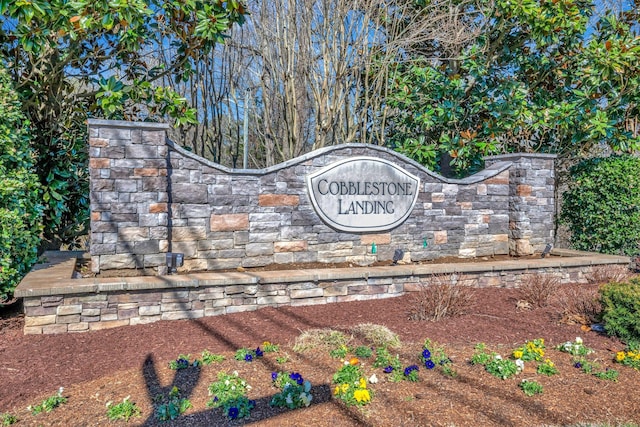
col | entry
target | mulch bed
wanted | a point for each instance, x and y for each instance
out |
(99, 366)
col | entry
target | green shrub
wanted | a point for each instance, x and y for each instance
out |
(602, 206)
(20, 210)
(621, 309)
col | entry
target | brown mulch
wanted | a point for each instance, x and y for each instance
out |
(102, 366)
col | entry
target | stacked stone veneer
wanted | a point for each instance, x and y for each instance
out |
(150, 197)
(55, 304)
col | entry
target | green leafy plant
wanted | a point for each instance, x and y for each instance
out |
(340, 352)
(630, 357)
(182, 362)
(501, 368)
(50, 403)
(621, 310)
(247, 354)
(282, 359)
(410, 373)
(531, 350)
(124, 410)
(481, 356)
(20, 193)
(530, 387)
(363, 351)
(295, 391)
(575, 348)
(208, 358)
(608, 374)
(230, 394)
(434, 357)
(172, 406)
(383, 357)
(390, 364)
(600, 206)
(547, 368)
(269, 347)
(351, 385)
(7, 419)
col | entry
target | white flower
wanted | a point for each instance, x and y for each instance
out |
(578, 340)
(226, 382)
(61, 390)
(520, 364)
(373, 379)
(109, 403)
(233, 387)
(248, 387)
(498, 357)
(346, 362)
(235, 373)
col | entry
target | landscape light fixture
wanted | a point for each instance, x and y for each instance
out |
(546, 250)
(174, 260)
(397, 256)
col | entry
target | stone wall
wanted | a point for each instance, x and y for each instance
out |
(78, 305)
(150, 197)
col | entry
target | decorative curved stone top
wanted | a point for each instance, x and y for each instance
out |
(498, 164)
(489, 172)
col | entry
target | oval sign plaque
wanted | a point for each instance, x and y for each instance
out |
(363, 194)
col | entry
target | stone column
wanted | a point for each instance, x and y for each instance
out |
(128, 194)
(531, 201)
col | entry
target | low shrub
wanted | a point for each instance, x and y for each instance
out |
(601, 274)
(579, 305)
(318, 339)
(621, 309)
(376, 335)
(537, 290)
(443, 296)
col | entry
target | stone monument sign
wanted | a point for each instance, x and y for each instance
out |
(154, 204)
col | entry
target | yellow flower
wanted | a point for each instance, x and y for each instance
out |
(354, 361)
(620, 356)
(363, 383)
(266, 344)
(345, 387)
(336, 391)
(362, 395)
(549, 363)
(518, 354)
